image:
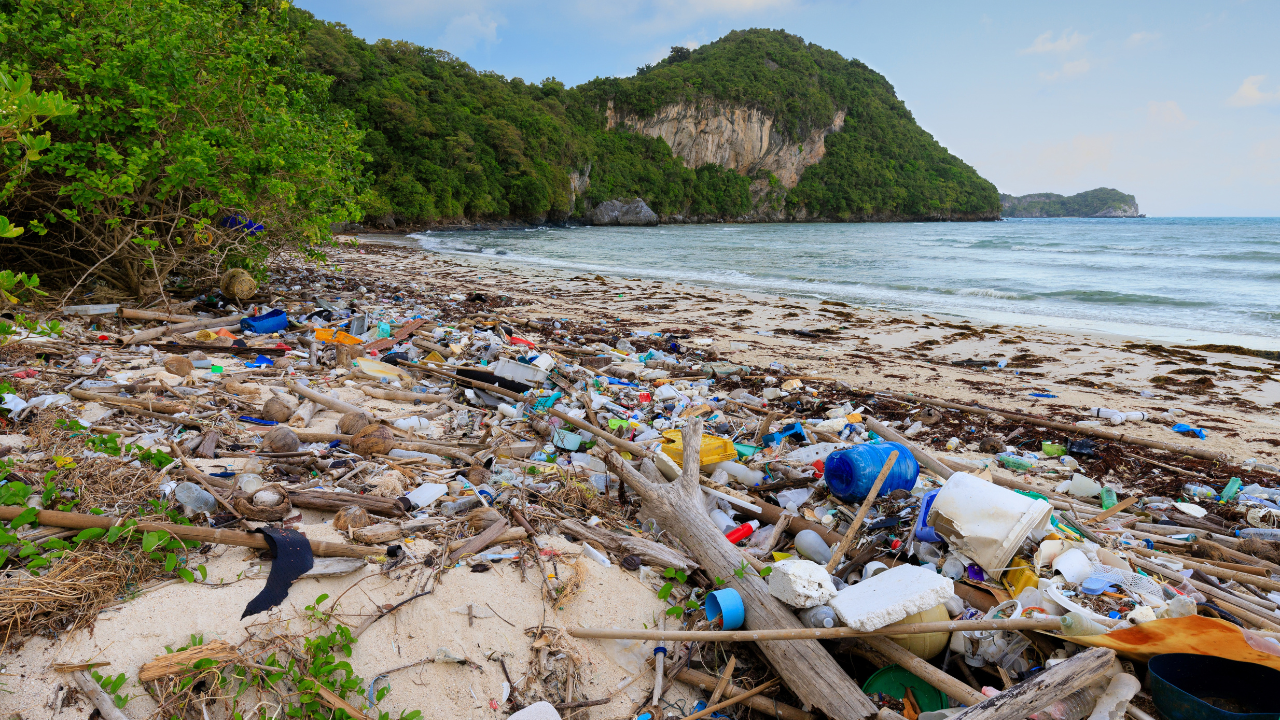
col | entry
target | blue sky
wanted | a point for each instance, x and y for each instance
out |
(1177, 103)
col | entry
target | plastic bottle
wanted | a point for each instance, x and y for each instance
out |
(1135, 416)
(1232, 488)
(1015, 462)
(1114, 416)
(738, 472)
(953, 568)
(1108, 498)
(1259, 533)
(811, 545)
(595, 554)
(916, 428)
(1196, 490)
(851, 473)
(1075, 706)
(722, 521)
(195, 498)
(1073, 624)
(460, 506)
(819, 617)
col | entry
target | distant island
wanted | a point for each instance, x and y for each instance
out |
(1099, 203)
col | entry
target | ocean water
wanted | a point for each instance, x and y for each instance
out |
(1183, 280)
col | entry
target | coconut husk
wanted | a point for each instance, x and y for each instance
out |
(481, 518)
(280, 439)
(251, 510)
(991, 445)
(238, 284)
(1261, 549)
(350, 517)
(178, 365)
(276, 410)
(353, 422)
(372, 440)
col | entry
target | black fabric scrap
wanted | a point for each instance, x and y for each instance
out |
(292, 557)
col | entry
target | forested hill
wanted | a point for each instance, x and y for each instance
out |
(1098, 203)
(450, 144)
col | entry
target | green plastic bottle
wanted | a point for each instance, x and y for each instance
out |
(1233, 487)
(1108, 498)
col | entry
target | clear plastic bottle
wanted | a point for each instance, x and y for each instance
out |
(819, 617)
(1075, 624)
(1076, 706)
(811, 545)
(1196, 490)
(1259, 533)
(195, 498)
(460, 506)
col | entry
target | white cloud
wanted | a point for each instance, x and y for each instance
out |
(1046, 44)
(1251, 93)
(1069, 69)
(1142, 37)
(465, 31)
(1167, 114)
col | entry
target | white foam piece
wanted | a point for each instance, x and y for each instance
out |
(801, 583)
(891, 596)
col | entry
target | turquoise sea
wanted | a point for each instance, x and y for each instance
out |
(1182, 280)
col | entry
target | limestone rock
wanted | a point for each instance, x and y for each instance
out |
(616, 212)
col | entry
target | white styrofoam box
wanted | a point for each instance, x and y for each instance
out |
(891, 596)
(801, 583)
(518, 371)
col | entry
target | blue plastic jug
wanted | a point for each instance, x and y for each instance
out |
(851, 473)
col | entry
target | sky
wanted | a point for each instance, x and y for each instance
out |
(1177, 103)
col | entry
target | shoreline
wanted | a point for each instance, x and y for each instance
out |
(1116, 330)
(1232, 396)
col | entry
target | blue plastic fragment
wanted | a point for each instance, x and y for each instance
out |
(257, 421)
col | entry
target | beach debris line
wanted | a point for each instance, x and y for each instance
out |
(446, 438)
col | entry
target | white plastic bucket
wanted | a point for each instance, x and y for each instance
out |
(985, 521)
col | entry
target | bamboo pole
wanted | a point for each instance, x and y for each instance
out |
(834, 633)
(732, 701)
(142, 335)
(78, 521)
(765, 706)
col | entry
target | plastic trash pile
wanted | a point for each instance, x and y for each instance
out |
(415, 406)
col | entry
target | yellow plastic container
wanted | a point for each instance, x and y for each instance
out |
(713, 450)
(925, 646)
(1019, 577)
(331, 335)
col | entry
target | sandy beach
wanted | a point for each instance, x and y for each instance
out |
(1233, 397)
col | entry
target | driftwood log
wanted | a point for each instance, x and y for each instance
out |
(806, 667)
(1031, 696)
(389, 531)
(302, 416)
(650, 552)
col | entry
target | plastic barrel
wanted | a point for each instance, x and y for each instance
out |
(851, 473)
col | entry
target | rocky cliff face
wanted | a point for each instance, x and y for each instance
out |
(1124, 211)
(739, 138)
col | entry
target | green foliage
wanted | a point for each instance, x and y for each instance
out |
(448, 143)
(22, 113)
(112, 685)
(189, 111)
(1085, 204)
